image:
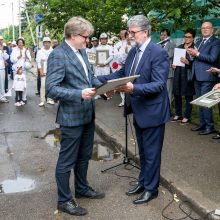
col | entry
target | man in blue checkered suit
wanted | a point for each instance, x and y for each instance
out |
(71, 81)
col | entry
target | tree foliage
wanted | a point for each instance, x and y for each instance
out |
(106, 15)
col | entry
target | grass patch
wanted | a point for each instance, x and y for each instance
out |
(195, 114)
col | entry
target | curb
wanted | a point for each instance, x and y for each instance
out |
(169, 180)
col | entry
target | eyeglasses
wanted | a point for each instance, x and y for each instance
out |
(85, 37)
(204, 28)
(132, 33)
(188, 36)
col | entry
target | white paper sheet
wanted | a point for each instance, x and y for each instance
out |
(178, 53)
(114, 83)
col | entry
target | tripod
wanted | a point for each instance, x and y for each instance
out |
(126, 160)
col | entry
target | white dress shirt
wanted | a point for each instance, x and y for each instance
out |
(78, 54)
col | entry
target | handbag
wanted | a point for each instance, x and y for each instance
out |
(27, 62)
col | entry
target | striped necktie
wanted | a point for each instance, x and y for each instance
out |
(136, 61)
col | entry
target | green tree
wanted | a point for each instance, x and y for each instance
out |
(106, 15)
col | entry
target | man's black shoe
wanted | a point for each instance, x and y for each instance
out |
(91, 194)
(71, 208)
(207, 131)
(145, 197)
(135, 190)
(216, 137)
(37, 93)
(198, 128)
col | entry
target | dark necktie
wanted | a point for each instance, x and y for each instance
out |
(132, 72)
(135, 63)
(202, 44)
(163, 45)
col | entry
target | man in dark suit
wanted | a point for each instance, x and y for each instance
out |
(70, 80)
(148, 99)
(205, 56)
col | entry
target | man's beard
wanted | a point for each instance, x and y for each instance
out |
(136, 44)
(133, 43)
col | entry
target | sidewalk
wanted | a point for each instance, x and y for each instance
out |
(190, 162)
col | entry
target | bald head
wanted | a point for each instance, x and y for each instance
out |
(207, 29)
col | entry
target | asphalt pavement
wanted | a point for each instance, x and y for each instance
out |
(190, 162)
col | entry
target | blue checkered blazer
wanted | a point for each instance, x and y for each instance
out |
(65, 81)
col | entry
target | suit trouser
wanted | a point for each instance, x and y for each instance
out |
(170, 88)
(150, 142)
(205, 114)
(75, 153)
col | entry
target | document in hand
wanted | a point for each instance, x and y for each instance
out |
(178, 53)
(114, 83)
(209, 99)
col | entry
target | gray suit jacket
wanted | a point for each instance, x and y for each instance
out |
(65, 81)
(169, 47)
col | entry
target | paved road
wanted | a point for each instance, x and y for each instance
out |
(28, 152)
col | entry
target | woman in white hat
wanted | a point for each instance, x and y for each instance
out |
(42, 57)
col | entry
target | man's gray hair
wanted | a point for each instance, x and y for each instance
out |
(77, 25)
(140, 21)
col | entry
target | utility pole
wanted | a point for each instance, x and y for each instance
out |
(13, 26)
(19, 17)
(29, 24)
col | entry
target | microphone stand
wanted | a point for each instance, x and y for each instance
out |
(126, 159)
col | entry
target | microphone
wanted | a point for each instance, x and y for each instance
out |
(164, 41)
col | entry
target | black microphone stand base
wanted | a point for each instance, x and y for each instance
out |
(126, 161)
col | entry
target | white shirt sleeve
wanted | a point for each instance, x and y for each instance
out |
(5, 55)
(14, 55)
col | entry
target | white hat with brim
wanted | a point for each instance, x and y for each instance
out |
(103, 35)
(46, 39)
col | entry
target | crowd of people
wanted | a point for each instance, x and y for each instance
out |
(197, 76)
(15, 61)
